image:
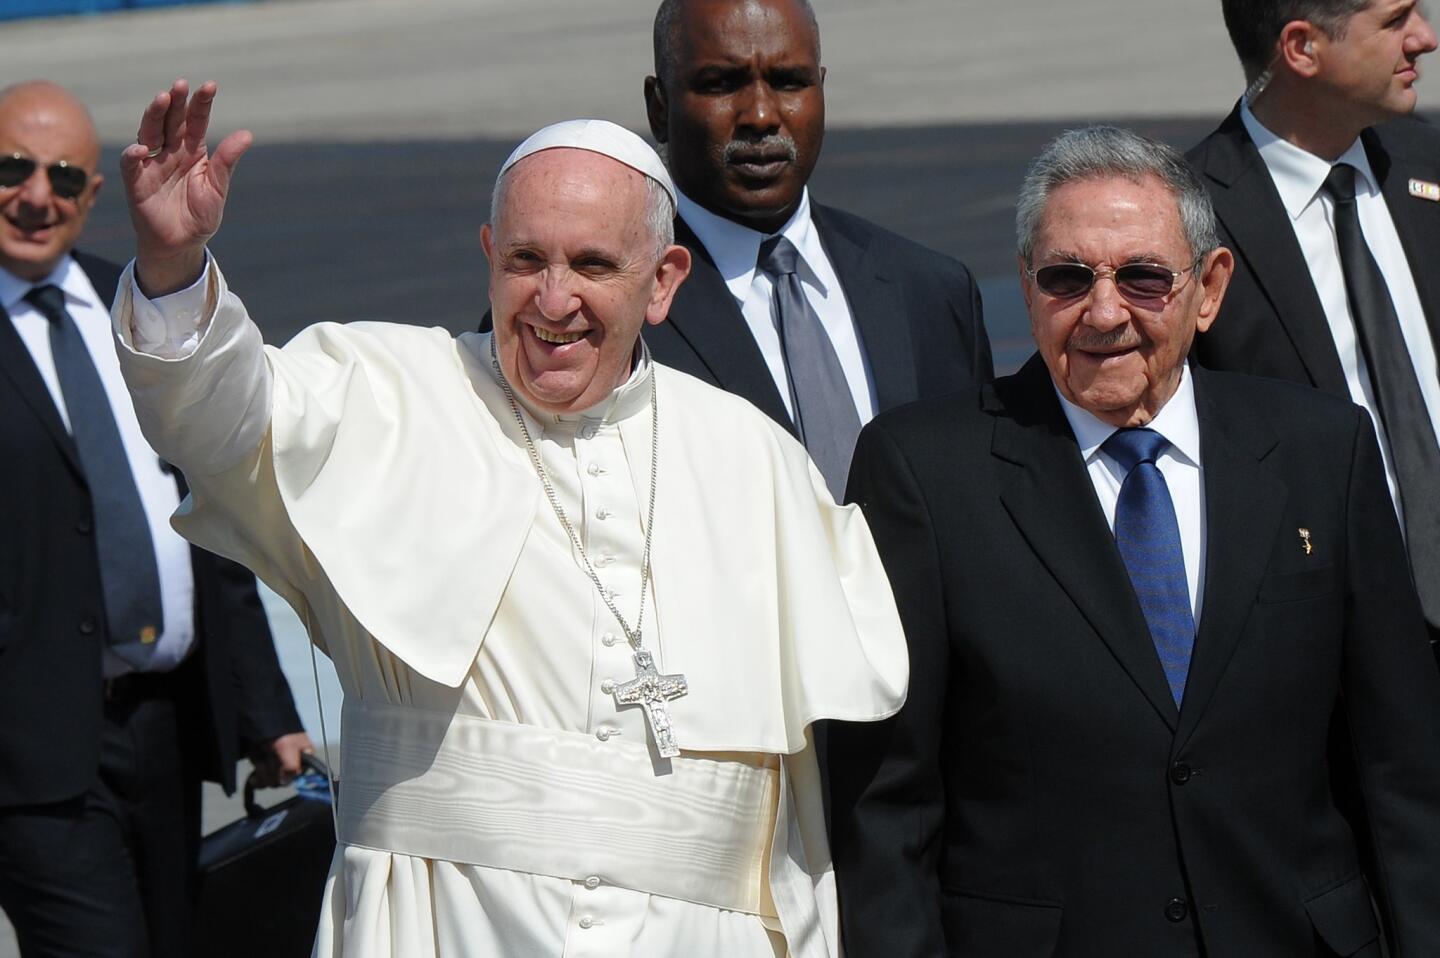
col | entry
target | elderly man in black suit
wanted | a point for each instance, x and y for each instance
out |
(1329, 195)
(131, 665)
(1170, 692)
(819, 318)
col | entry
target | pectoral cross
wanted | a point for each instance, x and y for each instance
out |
(652, 691)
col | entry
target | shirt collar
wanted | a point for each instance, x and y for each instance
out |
(67, 275)
(625, 401)
(1299, 174)
(1176, 421)
(735, 248)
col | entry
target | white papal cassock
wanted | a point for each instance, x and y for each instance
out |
(495, 800)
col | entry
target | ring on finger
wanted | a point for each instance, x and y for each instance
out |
(153, 152)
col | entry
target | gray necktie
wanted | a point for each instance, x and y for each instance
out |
(825, 415)
(1414, 452)
(129, 574)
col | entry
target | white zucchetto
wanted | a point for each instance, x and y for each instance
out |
(597, 136)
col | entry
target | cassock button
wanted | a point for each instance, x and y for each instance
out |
(1177, 909)
(604, 732)
(1180, 773)
(609, 639)
(592, 882)
(607, 686)
(84, 526)
(602, 513)
(87, 626)
(587, 922)
(594, 469)
(587, 432)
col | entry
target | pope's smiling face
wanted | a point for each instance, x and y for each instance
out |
(1118, 358)
(574, 275)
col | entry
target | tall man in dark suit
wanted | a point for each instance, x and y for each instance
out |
(816, 316)
(131, 665)
(1160, 631)
(1334, 219)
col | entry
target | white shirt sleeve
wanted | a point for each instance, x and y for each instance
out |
(171, 327)
(196, 369)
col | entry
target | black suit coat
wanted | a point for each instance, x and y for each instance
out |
(1041, 795)
(1272, 322)
(917, 313)
(52, 620)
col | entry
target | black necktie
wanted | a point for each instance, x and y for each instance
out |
(825, 415)
(129, 575)
(1414, 452)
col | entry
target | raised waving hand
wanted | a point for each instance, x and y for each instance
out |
(175, 187)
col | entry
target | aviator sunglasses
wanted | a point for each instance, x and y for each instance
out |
(66, 181)
(1133, 280)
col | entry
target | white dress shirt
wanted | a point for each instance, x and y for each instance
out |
(1298, 177)
(1179, 464)
(158, 493)
(735, 249)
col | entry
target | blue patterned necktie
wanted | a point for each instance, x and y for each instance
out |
(825, 416)
(129, 574)
(1149, 541)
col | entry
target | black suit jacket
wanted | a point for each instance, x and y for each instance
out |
(917, 312)
(1272, 323)
(1041, 795)
(52, 620)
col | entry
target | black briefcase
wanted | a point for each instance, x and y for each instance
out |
(262, 877)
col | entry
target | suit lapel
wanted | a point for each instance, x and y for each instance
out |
(1243, 505)
(1051, 499)
(104, 276)
(1417, 221)
(878, 308)
(706, 316)
(1249, 206)
(17, 366)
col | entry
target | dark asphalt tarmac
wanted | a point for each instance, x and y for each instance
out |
(390, 231)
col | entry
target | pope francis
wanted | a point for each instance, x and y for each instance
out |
(584, 608)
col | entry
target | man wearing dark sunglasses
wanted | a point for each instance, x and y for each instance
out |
(1159, 630)
(1329, 194)
(131, 665)
(44, 200)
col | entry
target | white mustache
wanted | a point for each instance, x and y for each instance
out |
(773, 142)
(1121, 337)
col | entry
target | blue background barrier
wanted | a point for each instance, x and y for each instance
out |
(17, 9)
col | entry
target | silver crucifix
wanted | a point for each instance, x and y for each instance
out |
(652, 691)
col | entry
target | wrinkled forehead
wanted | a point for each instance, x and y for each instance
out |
(600, 137)
(565, 177)
(1142, 206)
(62, 130)
(572, 164)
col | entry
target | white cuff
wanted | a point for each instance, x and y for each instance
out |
(171, 326)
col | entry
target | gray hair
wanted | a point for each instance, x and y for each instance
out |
(667, 35)
(659, 211)
(1099, 152)
(1255, 25)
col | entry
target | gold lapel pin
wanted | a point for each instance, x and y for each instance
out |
(1425, 190)
(1305, 540)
